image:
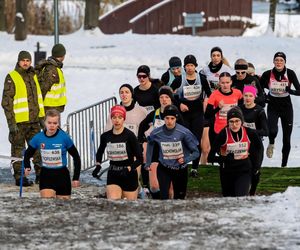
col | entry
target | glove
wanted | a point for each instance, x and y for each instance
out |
(229, 157)
(13, 128)
(96, 171)
(42, 123)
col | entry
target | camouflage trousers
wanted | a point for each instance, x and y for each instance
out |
(18, 140)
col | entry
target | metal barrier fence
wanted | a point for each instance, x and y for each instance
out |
(85, 127)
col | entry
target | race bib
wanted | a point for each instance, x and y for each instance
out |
(157, 123)
(172, 150)
(249, 125)
(149, 108)
(278, 88)
(192, 92)
(239, 150)
(51, 157)
(117, 151)
(132, 127)
(224, 110)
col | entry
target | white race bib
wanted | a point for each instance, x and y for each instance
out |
(116, 151)
(239, 149)
(172, 150)
(278, 88)
(51, 157)
(132, 127)
(249, 125)
(192, 92)
(149, 109)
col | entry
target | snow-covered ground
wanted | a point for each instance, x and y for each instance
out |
(95, 66)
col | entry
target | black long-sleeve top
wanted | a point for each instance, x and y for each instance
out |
(250, 80)
(232, 165)
(131, 153)
(256, 118)
(281, 102)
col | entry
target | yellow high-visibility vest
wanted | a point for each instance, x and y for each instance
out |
(20, 107)
(56, 96)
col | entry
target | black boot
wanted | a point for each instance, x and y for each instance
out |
(26, 182)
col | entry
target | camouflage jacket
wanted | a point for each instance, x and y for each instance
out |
(9, 93)
(47, 73)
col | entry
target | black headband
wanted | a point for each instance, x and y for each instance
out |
(240, 66)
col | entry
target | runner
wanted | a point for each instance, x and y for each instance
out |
(240, 155)
(218, 104)
(242, 78)
(217, 65)
(190, 92)
(254, 118)
(54, 143)
(177, 146)
(175, 70)
(146, 93)
(125, 156)
(279, 81)
(154, 120)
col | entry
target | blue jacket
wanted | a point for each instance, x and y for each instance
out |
(173, 144)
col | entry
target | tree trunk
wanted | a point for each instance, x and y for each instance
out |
(2, 16)
(272, 14)
(21, 20)
(92, 8)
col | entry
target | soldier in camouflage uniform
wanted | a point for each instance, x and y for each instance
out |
(23, 107)
(51, 79)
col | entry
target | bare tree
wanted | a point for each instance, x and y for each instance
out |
(2, 16)
(91, 14)
(21, 20)
(272, 14)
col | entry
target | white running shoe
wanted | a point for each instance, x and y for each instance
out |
(270, 150)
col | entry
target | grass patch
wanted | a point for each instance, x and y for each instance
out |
(272, 180)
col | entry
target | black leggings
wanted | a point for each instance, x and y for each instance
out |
(286, 117)
(194, 122)
(178, 178)
(235, 183)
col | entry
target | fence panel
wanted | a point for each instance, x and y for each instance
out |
(85, 127)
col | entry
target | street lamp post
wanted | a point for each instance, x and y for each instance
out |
(56, 22)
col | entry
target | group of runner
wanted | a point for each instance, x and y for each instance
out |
(216, 114)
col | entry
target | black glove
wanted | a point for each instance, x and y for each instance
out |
(13, 128)
(229, 157)
(96, 171)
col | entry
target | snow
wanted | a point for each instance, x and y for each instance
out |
(95, 66)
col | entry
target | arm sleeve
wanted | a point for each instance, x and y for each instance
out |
(137, 151)
(49, 77)
(77, 162)
(260, 99)
(176, 83)
(28, 154)
(262, 118)
(101, 149)
(205, 85)
(192, 143)
(144, 126)
(8, 100)
(216, 145)
(256, 149)
(149, 153)
(210, 111)
(294, 80)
